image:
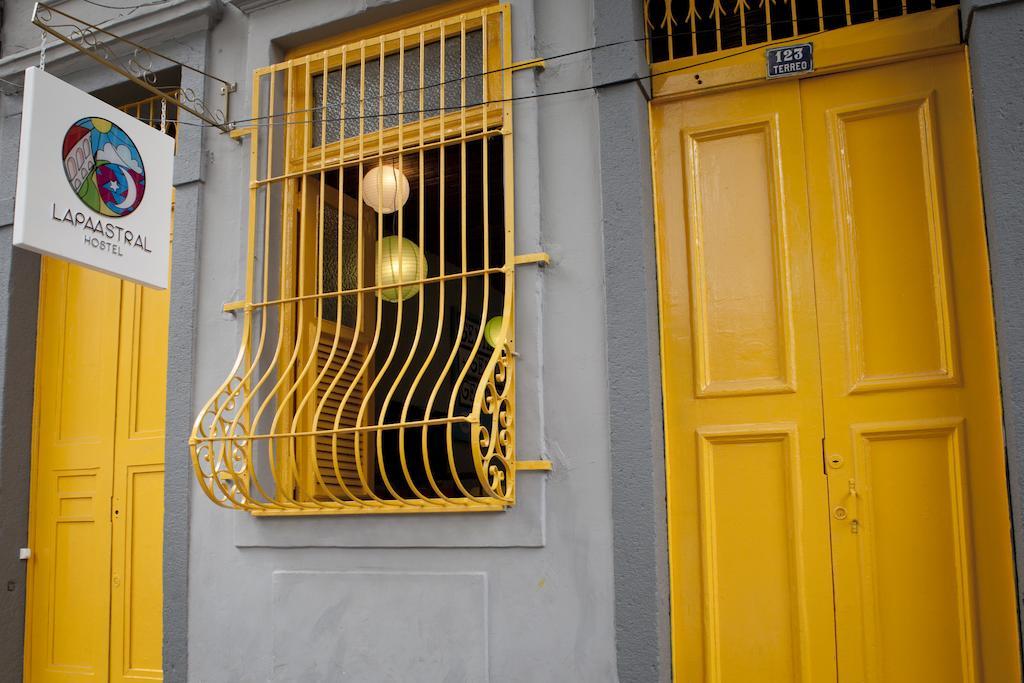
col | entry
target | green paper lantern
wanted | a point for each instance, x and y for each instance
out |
(492, 331)
(399, 261)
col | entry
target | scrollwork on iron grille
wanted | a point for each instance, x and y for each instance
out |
(494, 445)
(221, 454)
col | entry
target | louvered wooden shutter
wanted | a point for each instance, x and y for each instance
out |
(340, 349)
(344, 444)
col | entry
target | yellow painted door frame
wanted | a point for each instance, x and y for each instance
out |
(94, 598)
(839, 307)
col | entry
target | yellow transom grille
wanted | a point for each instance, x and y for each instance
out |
(380, 250)
(685, 28)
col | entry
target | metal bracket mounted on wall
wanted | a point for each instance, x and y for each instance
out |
(533, 465)
(537, 63)
(135, 62)
(541, 258)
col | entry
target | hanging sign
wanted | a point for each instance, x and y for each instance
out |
(790, 60)
(94, 184)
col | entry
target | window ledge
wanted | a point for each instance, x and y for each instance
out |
(521, 526)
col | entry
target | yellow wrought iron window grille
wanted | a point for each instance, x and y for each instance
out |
(156, 112)
(376, 371)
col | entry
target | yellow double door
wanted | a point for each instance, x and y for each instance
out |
(836, 478)
(96, 520)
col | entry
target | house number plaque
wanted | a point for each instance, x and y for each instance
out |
(790, 60)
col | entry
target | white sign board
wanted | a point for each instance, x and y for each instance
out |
(94, 184)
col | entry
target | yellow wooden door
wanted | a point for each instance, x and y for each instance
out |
(836, 484)
(96, 517)
(920, 523)
(748, 512)
(136, 610)
(73, 475)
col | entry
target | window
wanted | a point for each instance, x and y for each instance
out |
(156, 112)
(376, 369)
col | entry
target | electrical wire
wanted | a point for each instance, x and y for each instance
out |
(453, 81)
(563, 55)
(257, 121)
(571, 53)
(127, 7)
(849, 16)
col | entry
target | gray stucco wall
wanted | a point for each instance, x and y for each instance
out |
(552, 589)
(525, 595)
(995, 33)
(642, 631)
(188, 202)
(19, 273)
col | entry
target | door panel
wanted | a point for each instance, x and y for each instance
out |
(136, 607)
(750, 606)
(909, 376)
(95, 599)
(137, 604)
(73, 474)
(742, 341)
(890, 222)
(747, 500)
(914, 589)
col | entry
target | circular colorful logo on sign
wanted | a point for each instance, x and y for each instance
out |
(104, 167)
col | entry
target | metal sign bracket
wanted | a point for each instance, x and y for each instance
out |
(135, 62)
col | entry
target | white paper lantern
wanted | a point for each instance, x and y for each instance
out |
(385, 188)
(399, 261)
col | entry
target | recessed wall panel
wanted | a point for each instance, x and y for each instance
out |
(380, 626)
